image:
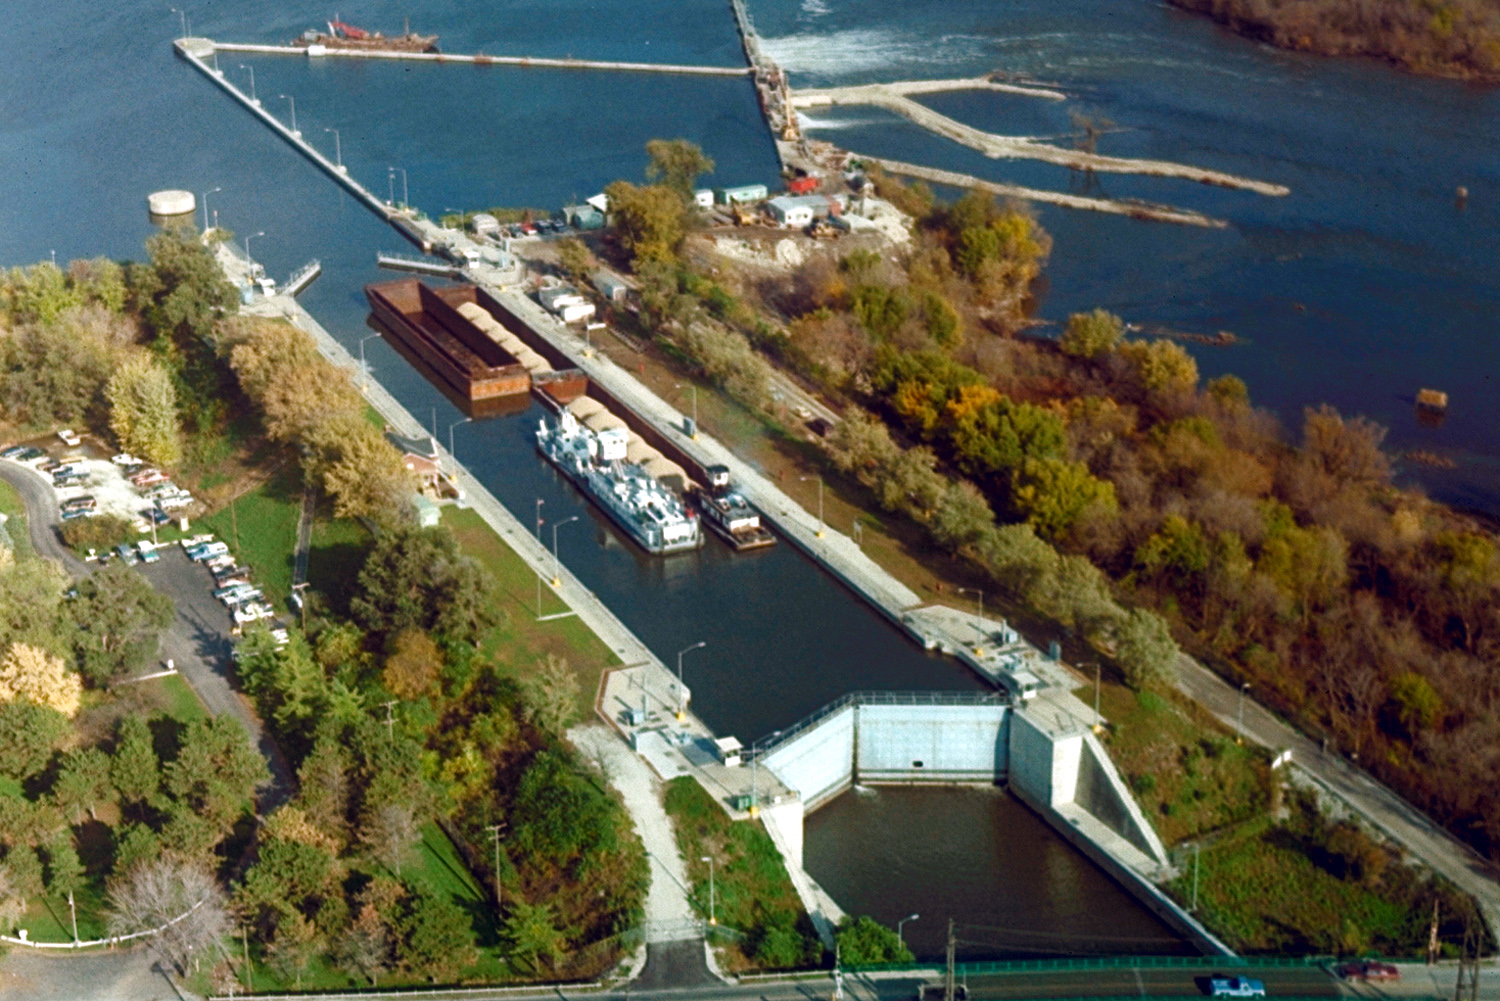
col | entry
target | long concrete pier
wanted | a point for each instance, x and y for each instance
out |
(1135, 210)
(480, 59)
(895, 99)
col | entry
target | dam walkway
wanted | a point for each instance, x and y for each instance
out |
(478, 59)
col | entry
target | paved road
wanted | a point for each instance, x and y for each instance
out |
(42, 518)
(1401, 821)
(126, 975)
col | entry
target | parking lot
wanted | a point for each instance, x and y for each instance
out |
(89, 482)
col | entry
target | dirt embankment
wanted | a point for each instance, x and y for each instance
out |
(1459, 39)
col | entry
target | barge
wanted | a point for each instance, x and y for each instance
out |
(438, 326)
(726, 512)
(346, 36)
(600, 457)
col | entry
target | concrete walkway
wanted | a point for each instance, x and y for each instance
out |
(669, 913)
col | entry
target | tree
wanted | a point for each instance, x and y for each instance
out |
(183, 291)
(416, 578)
(136, 844)
(143, 410)
(1162, 367)
(302, 398)
(292, 950)
(677, 164)
(649, 221)
(1418, 705)
(866, 941)
(551, 694)
(531, 935)
(1090, 335)
(362, 472)
(31, 594)
(414, 666)
(31, 674)
(1053, 494)
(1346, 450)
(49, 373)
(65, 873)
(134, 768)
(24, 871)
(365, 949)
(179, 902)
(216, 770)
(962, 515)
(438, 941)
(83, 782)
(28, 734)
(1145, 650)
(574, 257)
(390, 832)
(120, 619)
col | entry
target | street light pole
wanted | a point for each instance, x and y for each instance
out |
(453, 459)
(251, 70)
(338, 148)
(557, 563)
(405, 193)
(205, 206)
(713, 917)
(1098, 682)
(247, 249)
(681, 707)
(293, 102)
(821, 526)
(1239, 721)
(182, 14)
(694, 387)
(979, 621)
(364, 376)
(539, 503)
(900, 924)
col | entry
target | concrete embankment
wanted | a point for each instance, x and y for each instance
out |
(1021, 147)
(813, 97)
(480, 59)
(1135, 210)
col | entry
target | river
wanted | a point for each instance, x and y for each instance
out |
(1363, 284)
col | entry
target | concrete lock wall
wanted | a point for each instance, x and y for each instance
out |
(931, 743)
(819, 763)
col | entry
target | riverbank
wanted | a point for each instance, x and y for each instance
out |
(1457, 39)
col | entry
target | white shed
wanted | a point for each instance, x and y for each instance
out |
(791, 212)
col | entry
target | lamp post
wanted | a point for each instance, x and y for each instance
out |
(900, 924)
(713, 917)
(453, 459)
(557, 563)
(251, 70)
(405, 194)
(979, 620)
(182, 14)
(820, 502)
(681, 707)
(205, 206)
(539, 503)
(1098, 681)
(694, 388)
(293, 102)
(301, 591)
(364, 377)
(1239, 720)
(247, 244)
(338, 148)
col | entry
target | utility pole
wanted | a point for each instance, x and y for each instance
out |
(74, 912)
(1466, 987)
(390, 721)
(1098, 721)
(495, 830)
(249, 974)
(948, 979)
(234, 519)
(1432, 936)
(1197, 855)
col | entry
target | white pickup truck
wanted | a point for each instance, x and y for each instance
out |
(1236, 987)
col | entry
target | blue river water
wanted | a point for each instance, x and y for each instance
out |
(1364, 284)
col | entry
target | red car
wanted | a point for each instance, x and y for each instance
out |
(1367, 969)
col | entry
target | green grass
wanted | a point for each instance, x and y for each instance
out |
(520, 641)
(177, 698)
(47, 919)
(14, 509)
(334, 559)
(261, 529)
(1188, 774)
(751, 887)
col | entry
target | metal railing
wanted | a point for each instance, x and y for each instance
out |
(1111, 963)
(771, 742)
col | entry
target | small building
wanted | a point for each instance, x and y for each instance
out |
(558, 296)
(789, 211)
(485, 224)
(428, 473)
(704, 198)
(610, 285)
(743, 194)
(599, 201)
(429, 515)
(584, 217)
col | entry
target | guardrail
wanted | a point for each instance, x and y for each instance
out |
(769, 743)
(1111, 963)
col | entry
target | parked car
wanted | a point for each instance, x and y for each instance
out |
(14, 452)
(83, 501)
(49, 466)
(125, 459)
(1236, 987)
(175, 502)
(70, 514)
(148, 552)
(207, 551)
(68, 438)
(1367, 969)
(155, 515)
(126, 554)
(149, 478)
